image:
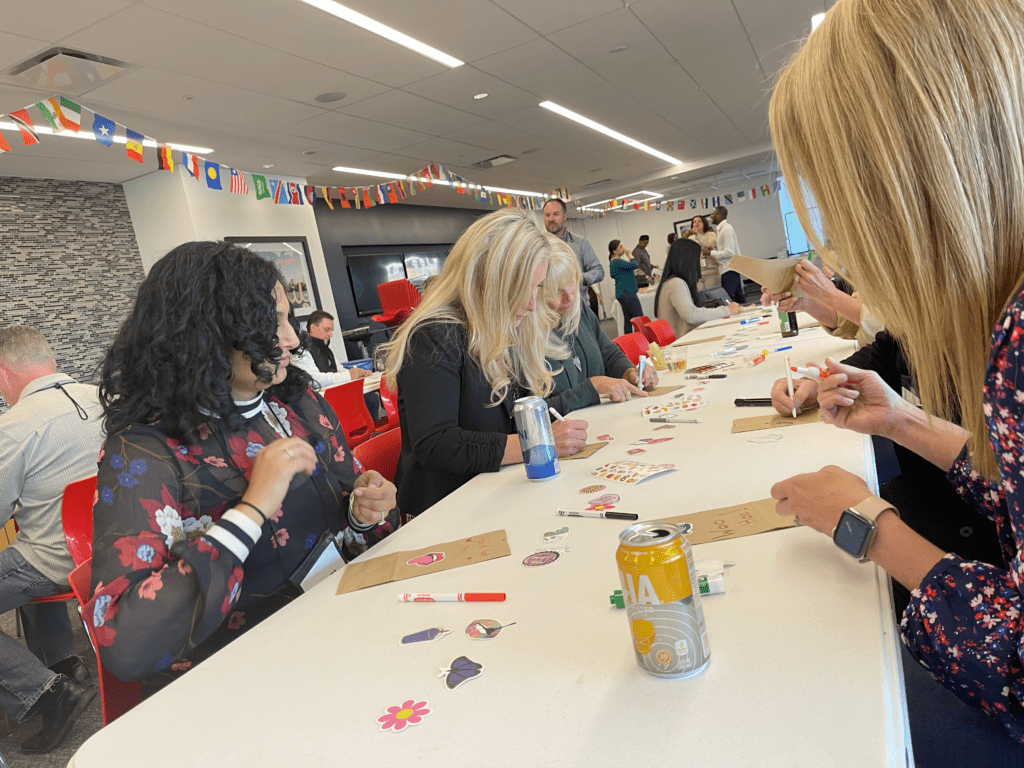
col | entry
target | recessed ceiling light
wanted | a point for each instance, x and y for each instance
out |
(268, 165)
(674, 178)
(330, 96)
(619, 49)
(816, 20)
(354, 17)
(608, 132)
(480, 96)
(309, 152)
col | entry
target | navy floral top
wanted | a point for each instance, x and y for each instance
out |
(964, 621)
(166, 590)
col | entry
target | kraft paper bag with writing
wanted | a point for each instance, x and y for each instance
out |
(732, 522)
(775, 421)
(684, 342)
(659, 391)
(438, 557)
(586, 451)
(774, 274)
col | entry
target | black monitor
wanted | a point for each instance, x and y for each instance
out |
(421, 265)
(366, 272)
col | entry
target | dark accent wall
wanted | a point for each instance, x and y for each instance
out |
(69, 265)
(385, 225)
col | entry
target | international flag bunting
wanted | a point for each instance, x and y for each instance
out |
(325, 193)
(777, 185)
(191, 163)
(165, 158)
(4, 146)
(704, 203)
(24, 123)
(295, 193)
(367, 200)
(392, 195)
(212, 173)
(103, 129)
(741, 196)
(381, 194)
(259, 183)
(716, 201)
(357, 198)
(133, 147)
(765, 191)
(753, 194)
(693, 204)
(238, 185)
(275, 190)
(343, 198)
(401, 189)
(69, 113)
(728, 199)
(49, 113)
(671, 205)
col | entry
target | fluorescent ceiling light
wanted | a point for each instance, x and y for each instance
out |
(629, 196)
(354, 17)
(363, 172)
(608, 131)
(816, 20)
(116, 139)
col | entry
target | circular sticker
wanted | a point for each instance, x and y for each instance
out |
(545, 557)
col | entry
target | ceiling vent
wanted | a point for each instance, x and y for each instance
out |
(494, 162)
(62, 70)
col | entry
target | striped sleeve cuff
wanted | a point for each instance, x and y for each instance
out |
(236, 532)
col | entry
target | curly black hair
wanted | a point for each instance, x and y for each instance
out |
(170, 362)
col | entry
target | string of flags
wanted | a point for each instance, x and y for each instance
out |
(63, 114)
(693, 203)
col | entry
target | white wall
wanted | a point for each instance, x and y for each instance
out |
(168, 209)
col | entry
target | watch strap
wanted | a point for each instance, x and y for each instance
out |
(872, 507)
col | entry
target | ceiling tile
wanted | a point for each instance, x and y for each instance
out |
(688, 27)
(734, 63)
(547, 17)
(400, 108)
(775, 47)
(356, 132)
(14, 49)
(500, 139)
(542, 68)
(52, 20)
(458, 86)
(452, 153)
(758, 16)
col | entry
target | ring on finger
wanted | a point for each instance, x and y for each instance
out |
(289, 452)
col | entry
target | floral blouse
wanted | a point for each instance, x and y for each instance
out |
(964, 621)
(166, 591)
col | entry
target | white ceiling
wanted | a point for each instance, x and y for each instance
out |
(694, 82)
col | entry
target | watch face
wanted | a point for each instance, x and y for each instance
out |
(851, 534)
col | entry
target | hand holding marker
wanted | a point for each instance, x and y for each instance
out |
(811, 371)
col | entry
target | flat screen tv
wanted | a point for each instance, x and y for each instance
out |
(366, 272)
(420, 266)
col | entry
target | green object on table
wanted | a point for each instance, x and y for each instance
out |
(617, 599)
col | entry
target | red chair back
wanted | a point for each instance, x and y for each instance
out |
(632, 345)
(389, 399)
(116, 695)
(659, 332)
(381, 453)
(347, 401)
(76, 514)
(398, 298)
(639, 323)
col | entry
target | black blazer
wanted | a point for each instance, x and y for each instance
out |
(449, 432)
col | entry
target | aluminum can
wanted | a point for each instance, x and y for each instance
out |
(536, 438)
(659, 584)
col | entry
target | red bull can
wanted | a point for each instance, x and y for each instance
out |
(659, 584)
(536, 438)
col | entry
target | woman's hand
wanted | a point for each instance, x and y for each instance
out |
(373, 497)
(813, 282)
(650, 376)
(619, 390)
(858, 400)
(272, 473)
(819, 498)
(570, 436)
(805, 395)
(734, 308)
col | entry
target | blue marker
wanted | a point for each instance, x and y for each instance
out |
(782, 349)
(640, 375)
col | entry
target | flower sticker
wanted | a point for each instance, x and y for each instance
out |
(410, 712)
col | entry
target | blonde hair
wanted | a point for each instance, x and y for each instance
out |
(563, 271)
(914, 110)
(487, 279)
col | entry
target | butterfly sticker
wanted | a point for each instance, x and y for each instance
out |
(460, 671)
(486, 629)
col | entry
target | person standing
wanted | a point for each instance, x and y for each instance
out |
(728, 246)
(643, 258)
(554, 222)
(50, 437)
(622, 268)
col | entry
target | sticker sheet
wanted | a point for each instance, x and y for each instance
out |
(630, 472)
(682, 403)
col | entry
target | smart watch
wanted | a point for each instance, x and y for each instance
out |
(856, 527)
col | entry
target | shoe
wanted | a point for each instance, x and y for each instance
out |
(74, 668)
(59, 707)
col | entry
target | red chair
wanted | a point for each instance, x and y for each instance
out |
(347, 401)
(76, 514)
(398, 298)
(389, 399)
(632, 345)
(659, 332)
(381, 453)
(116, 695)
(639, 323)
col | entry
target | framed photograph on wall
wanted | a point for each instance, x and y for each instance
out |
(291, 255)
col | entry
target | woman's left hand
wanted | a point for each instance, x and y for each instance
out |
(650, 376)
(373, 497)
(819, 498)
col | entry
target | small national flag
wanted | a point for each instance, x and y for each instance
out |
(212, 173)
(765, 190)
(367, 200)
(716, 201)
(777, 185)
(275, 190)
(357, 198)
(165, 158)
(401, 189)
(325, 193)
(704, 203)
(24, 123)
(260, 185)
(741, 196)
(70, 114)
(647, 205)
(238, 185)
(49, 113)
(671, 205)
(392, 194)
(103, 129)
(133, 147)
(294, 194)
(343, 197)
(728, 199)
(4, 146)
(693, 204)
(753, 194)
(310, 192)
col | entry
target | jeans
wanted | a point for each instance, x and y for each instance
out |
(23, 673)
(733, 285)
(630, 308)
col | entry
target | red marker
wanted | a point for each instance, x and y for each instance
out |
(453, 597)
(813, 372)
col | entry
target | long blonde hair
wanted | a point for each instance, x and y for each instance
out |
(486, 280)
(563, 271)
(914, 110)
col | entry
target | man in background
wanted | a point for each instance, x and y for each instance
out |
(728, 246)
(50, 437)
(554, 222)
(643, 258)
(318, 345)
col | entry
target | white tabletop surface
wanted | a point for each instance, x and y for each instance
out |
(804, 668)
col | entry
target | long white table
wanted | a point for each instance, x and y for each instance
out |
(805, 667)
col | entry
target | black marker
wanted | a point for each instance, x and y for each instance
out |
(757, 402)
